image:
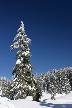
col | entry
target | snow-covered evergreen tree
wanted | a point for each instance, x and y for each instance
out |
(4, 82)
(69, 75)
(66, 88)
(59, 81)
(47, 81)
(23, 82)
(56, 81)
(53, 85)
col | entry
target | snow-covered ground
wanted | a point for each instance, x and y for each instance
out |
(5, 103)
(62, 101)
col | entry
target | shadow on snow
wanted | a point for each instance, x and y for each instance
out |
(51, 105)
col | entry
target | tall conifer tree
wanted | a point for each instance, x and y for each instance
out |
(23, 81)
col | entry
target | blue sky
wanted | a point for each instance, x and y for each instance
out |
(48, 23)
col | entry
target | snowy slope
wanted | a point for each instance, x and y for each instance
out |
(4, 103)
(66, 99)
(62, 101)
(48, 96)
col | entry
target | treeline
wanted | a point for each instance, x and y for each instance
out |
(4, 85)
(57, 81)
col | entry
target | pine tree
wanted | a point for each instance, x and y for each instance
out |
(4, 86)
(8, 93)
(65, 82)
(53, 85)
(69, 75)
(23, 81)
(59, 81)
(47, 81)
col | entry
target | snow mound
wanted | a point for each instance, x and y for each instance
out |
(4, 103)
(45, 96)
(65, 99)
(29, 98)
(59, 95)
(59, 98)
